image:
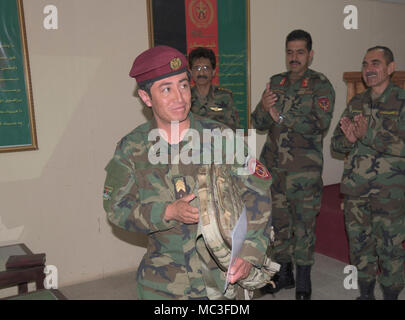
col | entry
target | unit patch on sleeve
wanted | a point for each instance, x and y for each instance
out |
(107, 193)
(324, 103)
(258, 169)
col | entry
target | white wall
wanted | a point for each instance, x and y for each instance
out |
(84, 104)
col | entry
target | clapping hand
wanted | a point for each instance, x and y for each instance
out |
(269, 99)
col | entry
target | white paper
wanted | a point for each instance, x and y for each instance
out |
(238, 236)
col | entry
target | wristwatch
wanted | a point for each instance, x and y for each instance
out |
(280, 118)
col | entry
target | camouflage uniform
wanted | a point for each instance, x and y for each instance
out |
(217, 105)
(293, 154)
(374, 186)
(136, 195)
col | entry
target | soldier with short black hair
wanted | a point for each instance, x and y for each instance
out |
(208, 100)
(371, 134)
(296, 109)
(175, 202)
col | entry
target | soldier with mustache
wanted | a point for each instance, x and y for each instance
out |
(208, 100)
(371, 134)
(296, 109)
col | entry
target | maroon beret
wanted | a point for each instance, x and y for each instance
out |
(158, 63)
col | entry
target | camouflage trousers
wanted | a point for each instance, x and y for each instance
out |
(296, 198)
(376, 230)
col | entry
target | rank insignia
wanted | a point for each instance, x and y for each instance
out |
(324, 103)
(180, 187)
(305, 83)
(216, 109)
(175, 64)
(258, 169)
(283, 81)
(391, 113)
(107, 193)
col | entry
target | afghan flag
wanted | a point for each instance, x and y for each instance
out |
(220, 25)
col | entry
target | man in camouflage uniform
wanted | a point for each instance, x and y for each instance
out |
(208, 100)
(371, 133)
(296, 108)
(160, 199)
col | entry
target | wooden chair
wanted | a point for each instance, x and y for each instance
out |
(355, 84)
(19, 266)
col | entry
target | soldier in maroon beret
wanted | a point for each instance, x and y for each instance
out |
(160, 199)
(161, 73)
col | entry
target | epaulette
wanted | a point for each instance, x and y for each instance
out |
(279, 79)
(401, 94)
(322, 77)
(224, 89)
(319, 75)
(280, 75)
(122, 142)
(139, 133)
(360, 96)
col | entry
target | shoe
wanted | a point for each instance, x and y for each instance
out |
(303, 288)
(284, 279)
(390, 294)
(366, 290)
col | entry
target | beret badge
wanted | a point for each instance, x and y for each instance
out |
(175, 64)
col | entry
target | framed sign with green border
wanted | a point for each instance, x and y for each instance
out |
(221, 25)
(17, 121)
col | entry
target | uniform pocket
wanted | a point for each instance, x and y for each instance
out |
(389, 121)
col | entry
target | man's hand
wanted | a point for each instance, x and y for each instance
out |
(347, 127)
(274, 114)
(360, 126)
(268, 100)
(182, 211)
(239, 270)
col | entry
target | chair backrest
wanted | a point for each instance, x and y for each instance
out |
(355, 83)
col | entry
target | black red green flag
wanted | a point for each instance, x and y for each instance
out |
(221, 25)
